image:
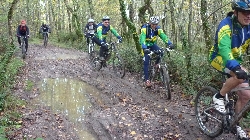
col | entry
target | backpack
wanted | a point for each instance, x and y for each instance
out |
(148, 30)
(22, 28)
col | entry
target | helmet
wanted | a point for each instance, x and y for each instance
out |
(154, 20)
(91, 20)
(105, 18)
(23, 22)
(241, 5)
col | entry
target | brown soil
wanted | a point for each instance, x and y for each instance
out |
(127, 110)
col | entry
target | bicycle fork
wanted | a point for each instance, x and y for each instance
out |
(228, 117)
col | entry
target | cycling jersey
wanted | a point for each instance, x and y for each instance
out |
(90, 29)
(102, 32)
(148, 36)
(227, 51)
(44, 28)
(22, 30)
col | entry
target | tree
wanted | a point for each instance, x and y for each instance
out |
(130, 25)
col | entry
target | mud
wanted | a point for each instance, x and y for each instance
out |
(124, 109)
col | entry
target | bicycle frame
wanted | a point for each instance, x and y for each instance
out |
(245, 109)
(157, 55)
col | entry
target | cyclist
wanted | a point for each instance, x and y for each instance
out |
(100, 37)
(23, 30)
(90, 29)
(45, 29)
(231, 41)
(148, 41)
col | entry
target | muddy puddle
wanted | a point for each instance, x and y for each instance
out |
(70, 97)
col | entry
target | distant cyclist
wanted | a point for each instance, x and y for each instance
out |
(90, 29)
(23, 30)
(100, 38)
(148, 40)
(45, 29)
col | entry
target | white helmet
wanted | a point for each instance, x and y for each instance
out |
(154, 20)
(91, 20)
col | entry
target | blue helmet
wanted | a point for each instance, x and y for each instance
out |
(241, 5)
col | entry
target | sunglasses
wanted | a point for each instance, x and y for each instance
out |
(106, 22)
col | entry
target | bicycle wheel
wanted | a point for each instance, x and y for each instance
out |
(23, 50)
(209, 119)
(166, 81)
(95, 63)
(45, 40)
(92, 53)
(118, 65)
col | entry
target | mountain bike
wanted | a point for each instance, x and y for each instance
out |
(23, 44)
(45, 39)
(111, 56)
(159, 73)
(91, 49)
(212, 122)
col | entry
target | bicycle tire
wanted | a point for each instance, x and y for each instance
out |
(166, 81)
(92, 53)
(118, 65)
(95, 64)
(208, 118)
(45, 40)
(23, 50)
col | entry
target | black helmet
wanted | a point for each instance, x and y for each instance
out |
(241, 5)
(105, 18)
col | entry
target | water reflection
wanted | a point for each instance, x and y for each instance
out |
(70, 97)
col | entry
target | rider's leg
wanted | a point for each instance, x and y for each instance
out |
(19, 40)
(145, 66)
(244, 95)
(230, 83)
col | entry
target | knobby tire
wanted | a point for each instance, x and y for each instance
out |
(118, 65)
(166, 81)
(208, 118)
(45, 40)
(23, 49)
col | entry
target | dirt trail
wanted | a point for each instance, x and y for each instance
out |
(126, 110)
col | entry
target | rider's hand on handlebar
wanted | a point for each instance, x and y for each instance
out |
(240, 74)
(171, 46)
(120, 39)
(146, 51)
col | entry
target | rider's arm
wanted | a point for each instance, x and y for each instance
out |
(18, 30)
(143, 38)
(114, 32)
(99, 33)
(85, 30)
(28, 31)
(224, 46)
(164, 37)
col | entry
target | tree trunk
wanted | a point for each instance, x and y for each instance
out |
(173, 32)
(187, 50)
(143, 9)
(130, 25)
(91, 9)
(74, 19)
(205, 24)
(10, 15)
